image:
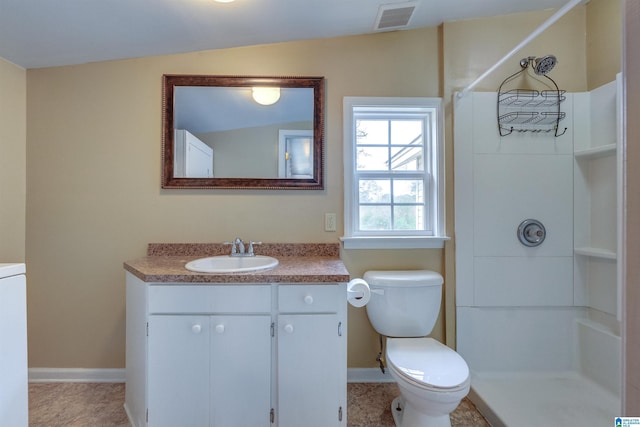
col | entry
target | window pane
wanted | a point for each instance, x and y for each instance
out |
(375, 218)
(406, 132)
(372, 132)
(375, 190)
(407, 158)
(408, 191)
(372, 158)
(408, 218)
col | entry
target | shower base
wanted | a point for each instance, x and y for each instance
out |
(543, 399)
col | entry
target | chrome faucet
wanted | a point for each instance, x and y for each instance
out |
(238, 247)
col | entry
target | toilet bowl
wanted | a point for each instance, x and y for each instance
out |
(432, 377)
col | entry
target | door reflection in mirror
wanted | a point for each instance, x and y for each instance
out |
(295, 154)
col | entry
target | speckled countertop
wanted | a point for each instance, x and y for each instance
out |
(298, 263)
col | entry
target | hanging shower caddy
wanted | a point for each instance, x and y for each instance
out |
(529, 110)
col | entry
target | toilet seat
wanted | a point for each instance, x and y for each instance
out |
(427, 363)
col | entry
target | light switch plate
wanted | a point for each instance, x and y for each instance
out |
(329, 222)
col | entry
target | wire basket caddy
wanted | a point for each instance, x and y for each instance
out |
(527, 110)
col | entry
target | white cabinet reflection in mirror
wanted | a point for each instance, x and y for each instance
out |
(193, 158)
(224, 355)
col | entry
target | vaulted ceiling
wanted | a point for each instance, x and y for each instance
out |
(44, 33)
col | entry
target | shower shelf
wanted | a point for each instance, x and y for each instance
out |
(542, 118)
(531, 98)
(524, 110)
(596, 253)
(596, 152)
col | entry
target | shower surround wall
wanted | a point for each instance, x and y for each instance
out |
(546, 311)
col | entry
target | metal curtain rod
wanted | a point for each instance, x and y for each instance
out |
(552, 19)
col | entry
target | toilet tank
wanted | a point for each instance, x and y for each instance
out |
(404, 303)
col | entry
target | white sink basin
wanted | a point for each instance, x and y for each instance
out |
(232, 264)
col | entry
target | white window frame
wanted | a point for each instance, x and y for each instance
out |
(434, 179)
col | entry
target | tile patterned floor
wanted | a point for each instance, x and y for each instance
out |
(101, 405)
(369, 405)
(77, 405)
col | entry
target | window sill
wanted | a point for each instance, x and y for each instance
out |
(395, 242)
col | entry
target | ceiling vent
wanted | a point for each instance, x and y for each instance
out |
(394, 16)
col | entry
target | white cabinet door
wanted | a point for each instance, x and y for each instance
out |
(240, 371)
(310, 384)
(198, 363)
(13, 352)
(192, 157)
(178, 384)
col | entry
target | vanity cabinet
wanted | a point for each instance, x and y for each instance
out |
(226, 355)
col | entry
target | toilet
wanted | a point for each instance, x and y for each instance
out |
(432, 377)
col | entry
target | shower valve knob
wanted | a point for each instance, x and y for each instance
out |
(534, 232)
(531, 232)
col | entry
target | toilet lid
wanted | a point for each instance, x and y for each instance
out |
(427, 361)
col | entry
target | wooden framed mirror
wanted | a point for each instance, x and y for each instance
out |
(225, 132)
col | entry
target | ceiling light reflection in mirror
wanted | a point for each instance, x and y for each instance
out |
(265, 95)
(215, 109)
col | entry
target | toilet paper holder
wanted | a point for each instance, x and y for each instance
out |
(358, 292)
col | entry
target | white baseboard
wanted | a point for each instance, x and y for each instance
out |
(82, 375)
(368, 375)
(76, 375)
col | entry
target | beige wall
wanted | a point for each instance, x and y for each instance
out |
(604, 41)
(473, 46)
(94, 197)
(13, 128)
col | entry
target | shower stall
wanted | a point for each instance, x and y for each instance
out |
(538, 289)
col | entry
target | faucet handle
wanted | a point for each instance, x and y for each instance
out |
(233, 246)
(251, 243)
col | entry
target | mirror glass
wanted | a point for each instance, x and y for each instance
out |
(242, 132)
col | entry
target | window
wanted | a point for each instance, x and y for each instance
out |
(393, 173)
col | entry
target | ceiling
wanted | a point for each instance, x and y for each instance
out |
(44, 33)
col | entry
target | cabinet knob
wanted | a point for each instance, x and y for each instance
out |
(196, 328)
(220, 329)
(308, 299)
(288, 328)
